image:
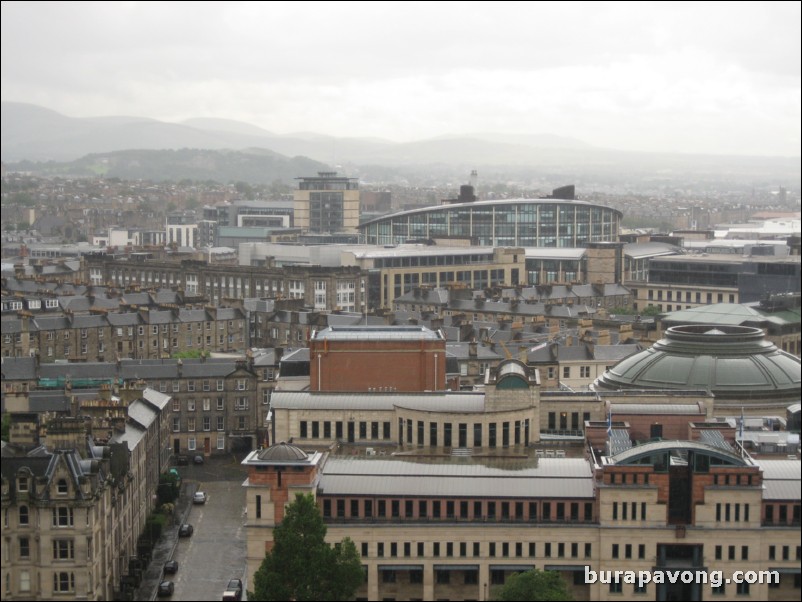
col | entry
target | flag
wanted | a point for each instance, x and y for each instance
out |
(741, 428)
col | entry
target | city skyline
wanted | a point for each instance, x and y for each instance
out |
(688, 78)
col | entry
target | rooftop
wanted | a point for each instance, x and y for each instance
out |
(376, 333)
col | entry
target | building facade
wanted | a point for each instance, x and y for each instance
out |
(327, 203)
(502, 223)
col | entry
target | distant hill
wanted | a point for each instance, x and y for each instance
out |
(255, 166)
(34, 133)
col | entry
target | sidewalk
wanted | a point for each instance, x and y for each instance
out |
(165, 547)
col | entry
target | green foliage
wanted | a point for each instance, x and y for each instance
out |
(301, 565)
(5, 430)
(154, 526)
(168, 488)
(534, 585)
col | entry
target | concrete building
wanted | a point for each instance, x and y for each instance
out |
(327, 203)
(687, 281)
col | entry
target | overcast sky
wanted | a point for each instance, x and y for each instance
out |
(687, 77)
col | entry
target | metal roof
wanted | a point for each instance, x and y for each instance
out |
(376, 333)
(570, 253)
(655, 447)
(141, 413)
(562, 478)
(656, 408)
(486, 203)
(715, 438)
(779, 469)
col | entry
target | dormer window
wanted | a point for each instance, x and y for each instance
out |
(63, 489)
(22, 484)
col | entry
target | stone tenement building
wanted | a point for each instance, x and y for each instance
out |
(137, 333)
(75, 506)
(216, 405)
(319, 287)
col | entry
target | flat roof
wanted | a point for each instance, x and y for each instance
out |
(544, 477)
(376, 333)
(432, 402)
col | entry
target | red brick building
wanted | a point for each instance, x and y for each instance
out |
(377, 358)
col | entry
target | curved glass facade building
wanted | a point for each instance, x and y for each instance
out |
(500, 223)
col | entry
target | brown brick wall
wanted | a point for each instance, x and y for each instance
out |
(364, 365)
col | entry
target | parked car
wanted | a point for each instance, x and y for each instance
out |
(233, 590)
(170, 567)
(199, 497)
(198, 459)
(185, 530)
(166, 589)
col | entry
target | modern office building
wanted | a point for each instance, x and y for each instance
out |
(687, 281)
(500, 223)
(327, 203)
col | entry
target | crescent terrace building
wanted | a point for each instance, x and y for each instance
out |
(500, 223)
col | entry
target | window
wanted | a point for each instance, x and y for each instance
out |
(443, 577)
(24, 581)
(241, 403)
(191, 423)
(63, 549)
(24, 517)
(220, 385)
(584, 371)
(242, 384)
(64, 581)
(220, 423)
(62, 517)
(176, 424)
(22, 484)
(207, 423)
(191, 443)
(742, 589)
(191, 386)
(221, 403)
(616, 587)
(24, 547)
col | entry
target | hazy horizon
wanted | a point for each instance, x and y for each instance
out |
(685, 77)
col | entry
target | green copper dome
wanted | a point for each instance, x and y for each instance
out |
(733, 362)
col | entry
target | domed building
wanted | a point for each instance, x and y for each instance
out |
(735, 363)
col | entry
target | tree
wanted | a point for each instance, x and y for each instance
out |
(534, 585)
(301, 565)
